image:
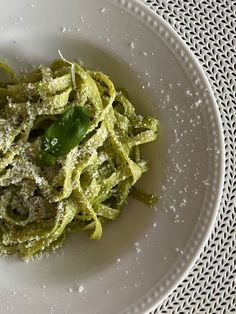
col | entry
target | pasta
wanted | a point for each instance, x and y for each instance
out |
(69, 155)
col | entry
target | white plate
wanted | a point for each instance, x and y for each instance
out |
(145, 253)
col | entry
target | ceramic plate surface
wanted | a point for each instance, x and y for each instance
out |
(146, 252)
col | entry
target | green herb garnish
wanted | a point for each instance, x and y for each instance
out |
(64, 134)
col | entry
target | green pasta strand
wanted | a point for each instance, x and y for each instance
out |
(41, 202)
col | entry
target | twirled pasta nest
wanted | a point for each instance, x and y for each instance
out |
(83, 188)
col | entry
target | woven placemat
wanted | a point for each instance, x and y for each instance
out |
(208, 27)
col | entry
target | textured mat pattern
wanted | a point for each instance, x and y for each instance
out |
(208, 27)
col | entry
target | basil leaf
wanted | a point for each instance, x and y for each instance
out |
(47, 159)
(64, 134)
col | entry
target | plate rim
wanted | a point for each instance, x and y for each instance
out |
(147, 303)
